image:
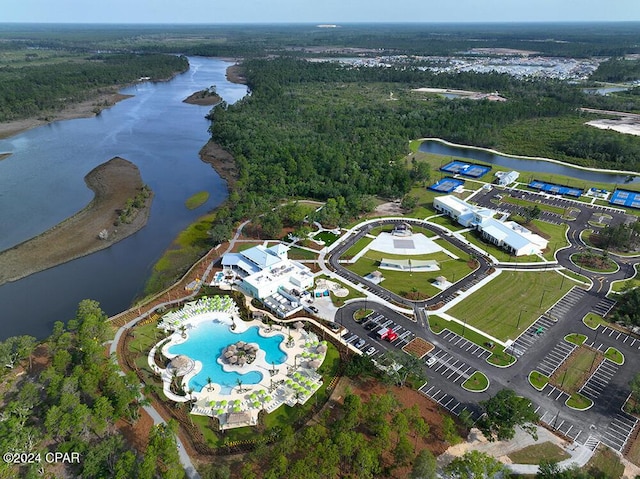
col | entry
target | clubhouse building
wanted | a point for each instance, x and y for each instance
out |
(267, 274)
(509, 235)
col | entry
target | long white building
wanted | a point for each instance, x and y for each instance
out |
(511, 236)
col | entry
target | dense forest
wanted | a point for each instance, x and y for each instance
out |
(320, 130)
(69, 400)
(34, 88)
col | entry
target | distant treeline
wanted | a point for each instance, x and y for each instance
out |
(569, 39)
(36, 89)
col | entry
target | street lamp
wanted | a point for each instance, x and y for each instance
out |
(519, 316)
(542, 298)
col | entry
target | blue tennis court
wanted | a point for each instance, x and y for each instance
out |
(555, 189)
(630, 199)
(466, 169)
(446, 185)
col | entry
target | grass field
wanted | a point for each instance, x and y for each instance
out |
(511, 302)
(326, 236)
(537, 452)
(574, 372)
(358, 246)
(197, 199)
(605, 463)
(404, 282)
(299, 253)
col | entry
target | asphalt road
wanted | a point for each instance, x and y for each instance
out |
(457, 358)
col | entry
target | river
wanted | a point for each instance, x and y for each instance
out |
(524, 164)
(42, 183)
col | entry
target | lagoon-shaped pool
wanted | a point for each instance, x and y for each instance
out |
(205, 343)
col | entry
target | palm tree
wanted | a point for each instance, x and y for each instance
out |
(239, 383)
(209, 381)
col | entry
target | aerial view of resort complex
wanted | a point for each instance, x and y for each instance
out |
(294, 241)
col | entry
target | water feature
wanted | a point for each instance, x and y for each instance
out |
(605, 90)
(205, 344)
(523, 164)
(42, 183)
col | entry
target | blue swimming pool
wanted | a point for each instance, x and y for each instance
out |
(205, 344)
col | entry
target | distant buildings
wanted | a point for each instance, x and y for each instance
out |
(269, 275)
(508, 235)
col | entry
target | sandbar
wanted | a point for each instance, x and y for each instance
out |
(113, 183)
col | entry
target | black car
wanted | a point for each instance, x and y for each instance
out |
(314, 309)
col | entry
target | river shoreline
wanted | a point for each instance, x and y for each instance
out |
(113, 183)
(85, 109)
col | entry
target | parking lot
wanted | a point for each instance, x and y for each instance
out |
(371, 343)
(555, 358)
(563, 425)
(619, 336)
(447, 366)
(447, 401)
(619, 431)
(565, 306)
(598, 381)
(530, 336)
(466, 345)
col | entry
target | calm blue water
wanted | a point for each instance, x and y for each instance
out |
(42, 183)
(205, 344)
(523, 165)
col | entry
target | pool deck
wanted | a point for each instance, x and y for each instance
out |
(291, 382)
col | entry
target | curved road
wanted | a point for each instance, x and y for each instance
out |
(605, 421)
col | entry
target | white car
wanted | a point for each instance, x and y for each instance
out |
(370, 351)
(431, 361)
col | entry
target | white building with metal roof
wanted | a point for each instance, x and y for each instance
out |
(511, 236)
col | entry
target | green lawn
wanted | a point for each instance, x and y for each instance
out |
(575, 338)
(578, 277)
(477, 382)
(447, 223)
(593, 320)
(511, 302)
(578, 401)
(554, 234)
(537, 452)
(326, 236)
(197, 199)
(358, 246)
(538, 380)
(298, 253)
(628, 283)
(614, 355)
(404, 282)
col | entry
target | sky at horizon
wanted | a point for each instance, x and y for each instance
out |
(311, 11)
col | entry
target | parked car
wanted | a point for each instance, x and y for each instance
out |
(431, 361)
(314, 309)
(370, 351)
(360, 343)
